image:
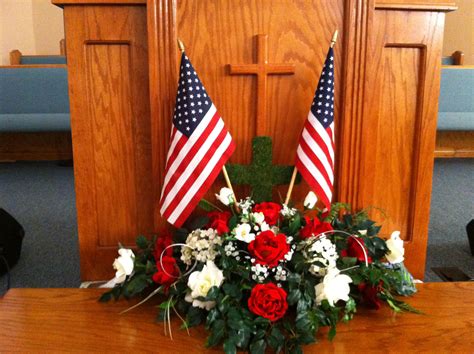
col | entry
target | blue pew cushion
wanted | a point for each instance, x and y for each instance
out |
(42, 59)
(35, 122)
(456, 100)
(33, 90)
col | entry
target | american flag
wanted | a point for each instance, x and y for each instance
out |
(199, 146)
(315, 153)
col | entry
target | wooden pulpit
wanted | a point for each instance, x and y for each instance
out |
(260, 61)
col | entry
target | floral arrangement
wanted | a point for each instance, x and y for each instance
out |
(266, 275)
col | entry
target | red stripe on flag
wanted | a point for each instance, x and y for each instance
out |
(315, 186)
(316, 160)
(189, 155)
(195, 174)
(205, 187)
(319, 141)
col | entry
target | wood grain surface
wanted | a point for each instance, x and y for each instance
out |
(217, 33)
(454, 144)
(389, 120)
(387, 63)
(110, 119)
(72, 320)
(35, 146)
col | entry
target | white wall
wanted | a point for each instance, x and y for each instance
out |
(31, 26)
(459, 31)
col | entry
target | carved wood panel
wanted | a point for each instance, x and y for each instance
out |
(217, 33)
(399, 125)
(108, 64)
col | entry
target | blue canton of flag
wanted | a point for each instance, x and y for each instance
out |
(323, 101)
(192, 101)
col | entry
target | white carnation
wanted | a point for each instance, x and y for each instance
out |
(334, 287)
(226, 196)
(243, 232)
(200, 282)
(123, 265)
(396, 248)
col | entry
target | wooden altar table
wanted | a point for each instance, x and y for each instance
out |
(40, 320)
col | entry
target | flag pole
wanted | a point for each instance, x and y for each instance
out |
(224, 170)
(295, 170)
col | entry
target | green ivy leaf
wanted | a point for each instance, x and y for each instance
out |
(217, 333)
(229, 346)
(242, 338)
(294, 296)
(106, 297)
(332, 333)
(258, 346)
(194, 316)
(142, 242)
(233, 222)
(276, 339)
(212, 294)
(233, 290)
(212, 316)
(206, 205)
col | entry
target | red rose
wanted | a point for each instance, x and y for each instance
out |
(269, 301)
(268, 249)
(354, 249)
(167, 274)
(161, 243)
(219, 221)
(314, 227)
(369, 294)
(271, 211)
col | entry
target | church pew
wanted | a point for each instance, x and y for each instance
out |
(457, 58)
(17, 58)
(455, 135)
(34, 113)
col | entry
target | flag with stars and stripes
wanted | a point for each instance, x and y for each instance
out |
(315, 153)
(199, 146)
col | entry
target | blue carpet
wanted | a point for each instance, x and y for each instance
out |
(40, 195)
(452, 207)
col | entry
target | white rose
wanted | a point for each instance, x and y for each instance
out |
(395, 246)
(310, 200)
(200, 282)
(243, 232)
(226, 196)
(258, 218)
(123, 265)
(334, 287)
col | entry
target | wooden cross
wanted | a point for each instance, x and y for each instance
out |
(261, 175)
(262, 69)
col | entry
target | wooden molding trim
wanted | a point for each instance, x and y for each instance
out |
(163, 71)
(458, 67)
(33, 66)
(448, 7)
(98, 2)
(357, 26)
(454, 144)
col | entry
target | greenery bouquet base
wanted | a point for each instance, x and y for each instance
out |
(264, 275)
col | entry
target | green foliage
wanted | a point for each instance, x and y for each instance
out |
(208, 206)
(230, 323)
(261, 175)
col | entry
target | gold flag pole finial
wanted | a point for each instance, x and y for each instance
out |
(181, 46)
(334, 38)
